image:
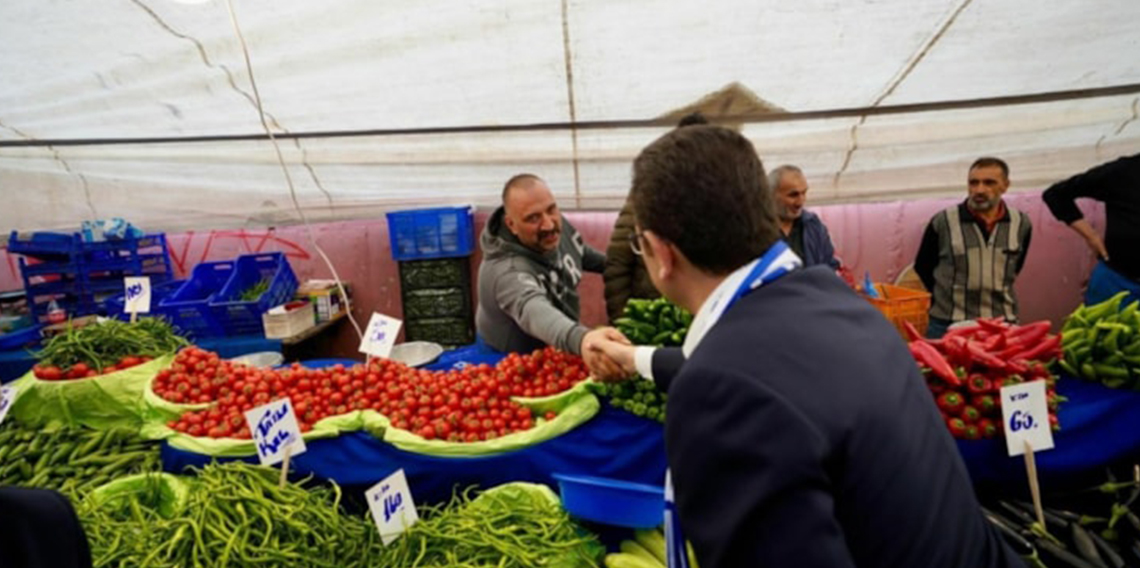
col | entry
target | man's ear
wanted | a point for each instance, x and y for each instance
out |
(510, 223)
(664, 252)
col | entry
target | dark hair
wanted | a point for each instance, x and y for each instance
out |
(692, 119)
(517, 179)
(990, 161)
(703, 189)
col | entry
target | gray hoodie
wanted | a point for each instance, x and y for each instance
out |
(528, 299)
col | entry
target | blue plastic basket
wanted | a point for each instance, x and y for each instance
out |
(188, 307)
(431, 233)
(158, 292)
(49, 245)
(20, 337)
(239, 317)
(612, 501)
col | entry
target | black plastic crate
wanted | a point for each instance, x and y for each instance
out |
(438, 273)
(437, 302)
(448, 332)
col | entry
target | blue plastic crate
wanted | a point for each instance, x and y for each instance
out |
(158, 292)
(239, 317)
(20, 337)
(50, 245)
(431, 233)
(188, 307)
(612, 501)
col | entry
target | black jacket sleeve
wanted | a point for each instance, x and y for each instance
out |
(927, 258)
(667, 363)
(748, 471)
(1025, 246)
(1101, 183)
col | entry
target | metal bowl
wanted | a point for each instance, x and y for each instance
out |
(416, 353)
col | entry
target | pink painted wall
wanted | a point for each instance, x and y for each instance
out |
(881, 238)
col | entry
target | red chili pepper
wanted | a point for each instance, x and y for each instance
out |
(1030, 334)
(993, 325)
(955, 348)
(1017, 366)
(951, 402)
(957, 427)
(983, 358)
(912, 331)
(930, 357)
(1043, 350)
(993, 343)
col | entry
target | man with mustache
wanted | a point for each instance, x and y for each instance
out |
(972, 252)
(802, 229)
(528, 282)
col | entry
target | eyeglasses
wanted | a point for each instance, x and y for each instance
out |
(635, 242)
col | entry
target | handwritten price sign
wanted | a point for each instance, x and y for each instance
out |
(1026, 414)
(7, 397)
(380, 335)
(392, 507)
(137, 295)
(274, 428)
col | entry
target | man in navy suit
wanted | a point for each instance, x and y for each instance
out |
(799, 431)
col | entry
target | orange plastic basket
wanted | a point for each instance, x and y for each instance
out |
(900, 305)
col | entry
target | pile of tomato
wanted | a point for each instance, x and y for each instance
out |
(83, 370)
(467, 405)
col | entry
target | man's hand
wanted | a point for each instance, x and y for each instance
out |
(622, 353)
(602, 365)
(1092, 238)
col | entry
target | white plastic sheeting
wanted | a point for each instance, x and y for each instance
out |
(143, 69)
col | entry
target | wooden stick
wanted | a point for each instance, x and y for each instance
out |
(285, 465)
(1034, 488)
(134, 317)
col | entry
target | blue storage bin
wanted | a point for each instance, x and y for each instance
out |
(158, 292)
(20, 337)
(431, 233)
(49, 245)
(612, 501)
(239, 317)
(188, 307)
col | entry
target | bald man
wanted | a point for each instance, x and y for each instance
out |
(528, 282)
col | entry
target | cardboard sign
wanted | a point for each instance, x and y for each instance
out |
(138, 295)
(7, 397)
(392, 507)
(380, 335)
(1025, 413)
(274, 428)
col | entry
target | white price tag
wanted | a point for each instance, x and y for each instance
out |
(274, 428)
(1025, 413)
(390, 502)
(380, 335)
(7, 397)
(138, 295)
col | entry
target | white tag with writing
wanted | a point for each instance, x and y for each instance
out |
(138, 295)
(1025, 413)
(380, 335)
(7, 397)
(392, 507)
(274, 428)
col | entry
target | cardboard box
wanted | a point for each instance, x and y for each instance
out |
(325, 297)
(282, 322)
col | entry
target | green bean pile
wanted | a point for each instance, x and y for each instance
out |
(105, 344)
(72, 460)
(494, 531)
(235, 515)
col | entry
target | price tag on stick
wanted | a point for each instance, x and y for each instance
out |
(276, 434)
(380, 336)
(1025, 414)
(392, 507)
(137, 298)
(7, 397)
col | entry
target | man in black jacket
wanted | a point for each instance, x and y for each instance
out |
(1117, 185)
(799, 431)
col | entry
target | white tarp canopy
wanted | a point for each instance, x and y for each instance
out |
(150, 112)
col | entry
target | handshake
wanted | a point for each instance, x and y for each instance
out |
(608, 354)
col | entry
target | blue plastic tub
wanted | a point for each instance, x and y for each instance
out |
(158, 292)
(188, 307)
(431, 233)
(50, 245)
(238, 317)
(20, 337)
(612, 501)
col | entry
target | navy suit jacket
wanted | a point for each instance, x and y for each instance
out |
(801, 434)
